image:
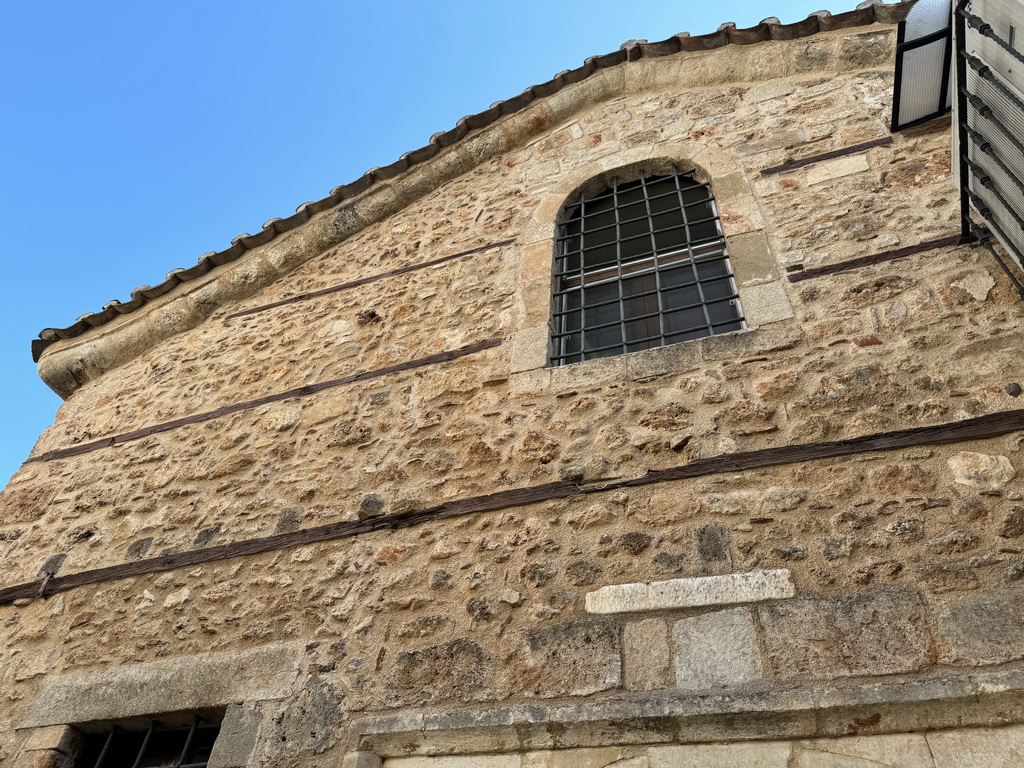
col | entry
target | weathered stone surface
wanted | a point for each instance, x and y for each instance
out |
(309, 721)
(978, 747)
(716, 650)
(574, 659)
(43, 758)
(757, 754)
(1012, 525)
(573, 758)
(238, 735)
(460, 670)
(472, 761)
(907, 750)
(182, 684)
(880, 632)
(646, 656)
(834, 169)
(766, 303)
(60, 738)
(362, 760)
(981, 471)
(694, 592)
(983, 628)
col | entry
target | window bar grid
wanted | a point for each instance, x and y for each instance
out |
(704, 249)
(683, 332)
(607, 302)
(689, 248)
(618, 256)
(145, 744)
(573, 338)
(613, 323)
(188, 743)
(106, 747)
(657, 261)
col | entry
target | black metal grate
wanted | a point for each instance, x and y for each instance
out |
(991, 131)
(640, 265)
(156, 746)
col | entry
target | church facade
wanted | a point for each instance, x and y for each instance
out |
(660, 416)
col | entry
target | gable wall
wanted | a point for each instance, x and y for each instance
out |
(490, 608)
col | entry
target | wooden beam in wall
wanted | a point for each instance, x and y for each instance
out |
(979, 428)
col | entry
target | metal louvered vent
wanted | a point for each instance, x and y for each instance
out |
(990, 71)
(923, 53)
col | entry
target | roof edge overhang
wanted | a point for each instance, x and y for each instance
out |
(98, 342)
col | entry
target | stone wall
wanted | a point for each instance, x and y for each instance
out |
(904, 565)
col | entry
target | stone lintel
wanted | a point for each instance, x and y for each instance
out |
(183, 684)
(700, 591)
(955, 700)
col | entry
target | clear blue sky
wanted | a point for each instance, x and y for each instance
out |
(137, 136)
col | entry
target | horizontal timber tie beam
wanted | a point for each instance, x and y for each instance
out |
(247, 405)
(877, 258)
(794, 164)
(370, 279)
(979, 428)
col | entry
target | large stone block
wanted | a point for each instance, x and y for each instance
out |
(239, 731)
(646, 655)
(574, 758)
(748, 587)
(466, 761)
(716, 650)
(752, 754)
(877, 633)
(978, 748)
(182, 684)
(983, 628)
(362, 760)
(573, 659)
(62, 738)
(835, 169)
(43, 758)
(460, 670)
(906, 750)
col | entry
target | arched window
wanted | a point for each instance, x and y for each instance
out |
(640, 264)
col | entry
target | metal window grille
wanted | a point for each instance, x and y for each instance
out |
(640, 265)
(156, 746)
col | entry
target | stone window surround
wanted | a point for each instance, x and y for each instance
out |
(763, 295)
(227, 682)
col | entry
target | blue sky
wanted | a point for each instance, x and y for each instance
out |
(137, 136)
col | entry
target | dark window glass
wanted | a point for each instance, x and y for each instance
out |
(640, 265)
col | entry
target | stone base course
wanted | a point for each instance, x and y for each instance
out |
(961, 748)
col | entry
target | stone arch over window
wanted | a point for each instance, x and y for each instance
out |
(640, 262)
(762, 295)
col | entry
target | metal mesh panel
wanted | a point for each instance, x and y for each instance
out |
(926, 17)
(922, 93)
(922, 87)
(641, 265)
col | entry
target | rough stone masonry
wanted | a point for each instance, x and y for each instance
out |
(859, 608)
